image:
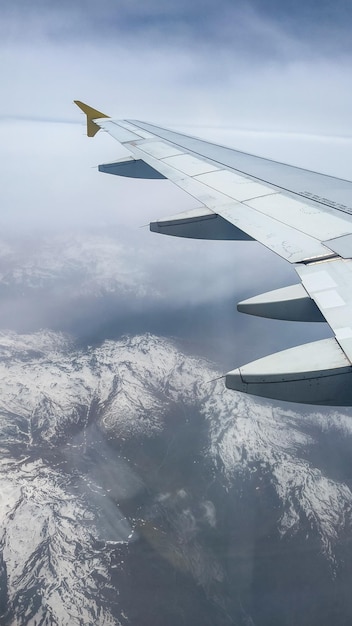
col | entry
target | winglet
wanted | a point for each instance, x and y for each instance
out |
(92, 114)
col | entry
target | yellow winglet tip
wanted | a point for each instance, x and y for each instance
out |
(92, 114)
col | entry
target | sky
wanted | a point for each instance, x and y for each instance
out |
(262, 65)
(272, 78)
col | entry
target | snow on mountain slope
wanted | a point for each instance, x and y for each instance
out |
(52, 386)
(52, 571)
(49, 392)
(52, 397)
(262, 435)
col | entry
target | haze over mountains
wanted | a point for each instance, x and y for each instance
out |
(97, 285)
(129, 480)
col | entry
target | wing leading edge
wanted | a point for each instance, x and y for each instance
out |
(304, 217)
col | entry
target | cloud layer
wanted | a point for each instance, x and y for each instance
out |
(256, 65)
(264, 78)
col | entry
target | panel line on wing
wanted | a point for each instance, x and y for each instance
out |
(330, 288)
(193, 145)
(249, 205)
(299, 215)
(289, 243)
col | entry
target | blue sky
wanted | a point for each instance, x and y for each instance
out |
(186, 21)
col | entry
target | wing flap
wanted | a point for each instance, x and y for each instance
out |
(301, 216)
(290, 244)
(341, 245)
(329, 284)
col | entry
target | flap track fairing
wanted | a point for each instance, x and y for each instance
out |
(313, 373)
(289, 303)
(199, 224)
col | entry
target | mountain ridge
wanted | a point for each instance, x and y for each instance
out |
(63, 406)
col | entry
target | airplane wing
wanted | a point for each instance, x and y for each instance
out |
(303, 216)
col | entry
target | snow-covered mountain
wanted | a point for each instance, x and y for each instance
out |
(127, 444)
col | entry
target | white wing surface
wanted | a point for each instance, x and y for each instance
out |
(303, 216)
